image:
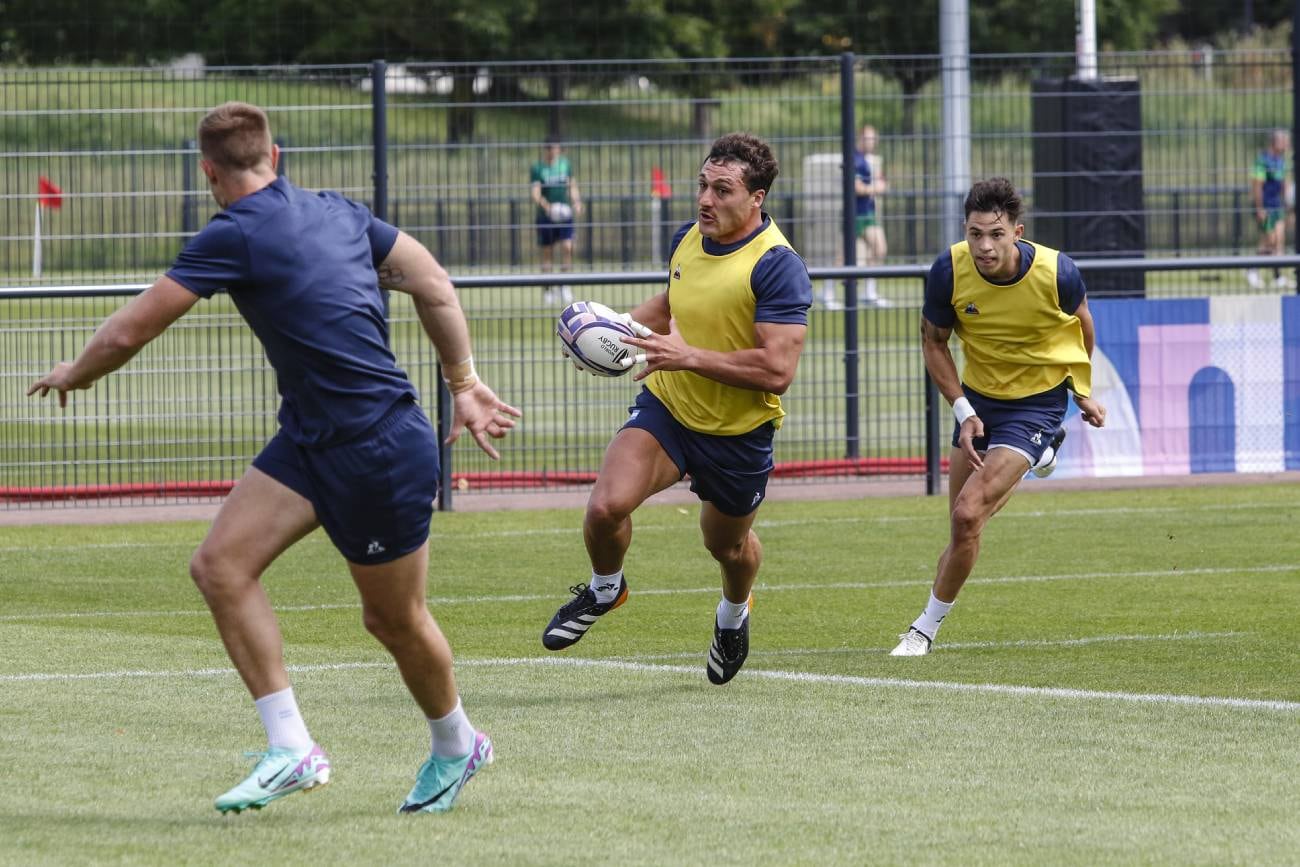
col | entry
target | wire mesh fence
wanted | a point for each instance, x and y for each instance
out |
(445, 150)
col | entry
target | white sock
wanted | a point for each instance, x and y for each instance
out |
(453, 736)
(606, 587)
(933, 615)
(283, 722)
(731, 614)
(869, 288)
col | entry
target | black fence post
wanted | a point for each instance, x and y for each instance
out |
(852, 401)
(933, 434)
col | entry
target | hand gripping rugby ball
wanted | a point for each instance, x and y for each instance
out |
(591, 336)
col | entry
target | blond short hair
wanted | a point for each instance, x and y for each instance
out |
(236, 136)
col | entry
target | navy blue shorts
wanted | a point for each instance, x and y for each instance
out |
(549, 233)
(728, 471)
(374, 494)
(1024, 425)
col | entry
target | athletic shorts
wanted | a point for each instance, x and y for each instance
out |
(1272, 217)
(549, 233)
(730, 472)
(1024, 425)
(864, 221)
(374, 494)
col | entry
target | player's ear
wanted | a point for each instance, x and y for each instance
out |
(275, 156)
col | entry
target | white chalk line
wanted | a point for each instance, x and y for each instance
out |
(576, 530)
(759, 588)
(946, 646)
(694, 671)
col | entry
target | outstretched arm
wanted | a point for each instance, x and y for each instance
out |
(411, 269)
(119, 338)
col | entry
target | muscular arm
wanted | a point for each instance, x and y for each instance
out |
(1088, 326)
(769, 366)
(411, 269)
(120, 337)
(653, 313)
(938, 359)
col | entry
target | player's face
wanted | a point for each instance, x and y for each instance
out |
(727, 211)
(992, 240)
(867, 140)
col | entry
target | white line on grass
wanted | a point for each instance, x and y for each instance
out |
(959, 645)
(750, 673)
(760, 524)
(761, 587)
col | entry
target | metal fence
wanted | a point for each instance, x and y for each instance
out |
(444, 152)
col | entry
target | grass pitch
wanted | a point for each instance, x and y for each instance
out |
(1118, 684)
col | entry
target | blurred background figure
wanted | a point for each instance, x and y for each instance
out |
(558, 201)
(1268, 188)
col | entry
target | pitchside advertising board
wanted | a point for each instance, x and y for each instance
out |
(1191, 386)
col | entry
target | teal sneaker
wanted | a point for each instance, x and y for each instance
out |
(440, 780)
(279, 772)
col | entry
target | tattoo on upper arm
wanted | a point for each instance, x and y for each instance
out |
(390, 275)
(933, 333)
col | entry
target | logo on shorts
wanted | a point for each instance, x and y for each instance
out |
(757, 497)
(631, 416)
(972, 309)
(1037, 438)
(374, 548)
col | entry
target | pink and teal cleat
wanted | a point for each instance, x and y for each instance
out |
(440, 780)
(279, 772)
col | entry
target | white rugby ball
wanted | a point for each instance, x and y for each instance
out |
(559, 212)
(591, 336)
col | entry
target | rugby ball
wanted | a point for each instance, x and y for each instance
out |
(591, 336)
(559, 212)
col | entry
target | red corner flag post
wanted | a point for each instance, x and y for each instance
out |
(48, 195)
(660, 193)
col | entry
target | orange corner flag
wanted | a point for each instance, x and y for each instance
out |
(48, 193)
(659, 187)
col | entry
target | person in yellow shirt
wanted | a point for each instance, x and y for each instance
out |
(725, 342)
(1021, 312)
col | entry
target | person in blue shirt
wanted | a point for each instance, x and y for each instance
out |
(355, 454)
(868, 183)
(1268, 183)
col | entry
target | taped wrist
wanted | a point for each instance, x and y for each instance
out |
(460, 376)
(962, 410)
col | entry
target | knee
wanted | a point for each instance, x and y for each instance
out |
(967, 523)
(390, 628)
(736, 552)
(606, 514)
(206, 572)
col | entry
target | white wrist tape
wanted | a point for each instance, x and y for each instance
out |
(962, 410)
(460, 376)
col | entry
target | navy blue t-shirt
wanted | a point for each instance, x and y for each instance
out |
(300, 267)
(782, 288)
(937, 308)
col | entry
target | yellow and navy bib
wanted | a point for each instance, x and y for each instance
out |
(713, 302)
(1016, 338)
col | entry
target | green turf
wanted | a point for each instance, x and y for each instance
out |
(823, 750)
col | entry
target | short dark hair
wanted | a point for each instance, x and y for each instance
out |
(741, 147)
(235, 135)
(994, 196)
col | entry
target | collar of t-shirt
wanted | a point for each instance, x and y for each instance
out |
(1026, 259)
(713, 248)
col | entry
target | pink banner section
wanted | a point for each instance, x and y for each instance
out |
(1169, 356)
